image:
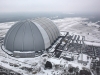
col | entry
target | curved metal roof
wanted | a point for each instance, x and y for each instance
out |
(49, 27)
(28, 35)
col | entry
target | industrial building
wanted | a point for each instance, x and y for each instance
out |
(29, 37)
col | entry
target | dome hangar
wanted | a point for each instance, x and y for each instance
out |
(30, 37)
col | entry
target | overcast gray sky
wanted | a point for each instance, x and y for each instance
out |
(68, 6)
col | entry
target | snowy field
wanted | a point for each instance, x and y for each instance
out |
(4, 27)
(81, 26)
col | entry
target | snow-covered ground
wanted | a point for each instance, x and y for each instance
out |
(75, 25)
(81, 26)
(4, 27)
(38, 63)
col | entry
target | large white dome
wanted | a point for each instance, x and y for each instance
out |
(28, 35)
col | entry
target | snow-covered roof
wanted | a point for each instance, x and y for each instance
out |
(83, 57)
